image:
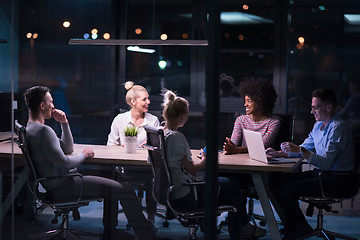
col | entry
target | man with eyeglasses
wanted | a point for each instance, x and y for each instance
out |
(329, 147)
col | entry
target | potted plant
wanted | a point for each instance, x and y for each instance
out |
(131, 133)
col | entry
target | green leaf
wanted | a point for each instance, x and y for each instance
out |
(131, 131)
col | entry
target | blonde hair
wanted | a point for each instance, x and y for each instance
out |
(174, 106)
(132, 91)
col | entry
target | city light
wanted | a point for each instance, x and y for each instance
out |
(86, 35)
(162, 64)
(94, 31)
(32, 35)
(106, 36)
(138, 31)
(66, 24)
(185, 36)
(94, 36)
(301, 40)
(163, 36)
(241, 37)
(245, 7)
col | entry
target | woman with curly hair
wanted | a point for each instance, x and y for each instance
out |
(259, 101)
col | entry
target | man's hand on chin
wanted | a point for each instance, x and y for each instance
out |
(59, 115)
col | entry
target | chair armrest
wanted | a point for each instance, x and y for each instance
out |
(38, 181)
(149, 147)
(194, 184)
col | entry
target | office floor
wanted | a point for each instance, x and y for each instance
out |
(92, 214)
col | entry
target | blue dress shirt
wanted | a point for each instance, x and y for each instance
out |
(332, 147)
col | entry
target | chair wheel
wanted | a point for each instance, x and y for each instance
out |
(262, 223)
(165, 224)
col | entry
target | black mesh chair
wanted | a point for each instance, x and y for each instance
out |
(162, 185)
(141, 179)
(286, 131)
(61, 208)
(324, 202)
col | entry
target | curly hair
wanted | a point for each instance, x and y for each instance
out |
(261, 91)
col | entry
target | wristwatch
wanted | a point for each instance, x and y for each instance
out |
(302, 150)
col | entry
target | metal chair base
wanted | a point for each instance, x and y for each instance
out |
(192, 232)
(64, 232)
(320, 232)
(325, 234)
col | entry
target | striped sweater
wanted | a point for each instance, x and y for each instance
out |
(268, 128)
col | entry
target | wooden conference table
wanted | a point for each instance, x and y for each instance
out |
(116, 156)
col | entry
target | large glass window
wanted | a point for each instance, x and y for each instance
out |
(323, 52)
(79, 77)
(300, 45)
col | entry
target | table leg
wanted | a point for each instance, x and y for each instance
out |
(20, 182)
(265, 204)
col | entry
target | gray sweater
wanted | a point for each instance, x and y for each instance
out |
(47, 152)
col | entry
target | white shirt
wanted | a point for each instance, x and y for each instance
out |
(123, 120)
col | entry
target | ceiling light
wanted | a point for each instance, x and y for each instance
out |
(139, 49)
(238, 18)
(352, 19)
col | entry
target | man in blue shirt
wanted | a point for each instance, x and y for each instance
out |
(329, 146)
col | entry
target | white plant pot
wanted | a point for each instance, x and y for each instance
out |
(130, 144)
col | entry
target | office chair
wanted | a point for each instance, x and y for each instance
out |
(286, 131)
(61, 208)
(162, 185)
(325, 202)
(141, 179)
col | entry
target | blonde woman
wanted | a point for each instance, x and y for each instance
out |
(138, 99)
(183, 169)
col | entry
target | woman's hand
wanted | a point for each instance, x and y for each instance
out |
(142, 144)
(229, 147)
(88, 152)
(201, 155)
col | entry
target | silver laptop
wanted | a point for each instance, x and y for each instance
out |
(256, 149)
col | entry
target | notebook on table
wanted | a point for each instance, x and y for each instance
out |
(256, 149)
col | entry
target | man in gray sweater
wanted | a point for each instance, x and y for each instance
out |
(50, 160)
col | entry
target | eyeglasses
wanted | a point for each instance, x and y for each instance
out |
(316, 108)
